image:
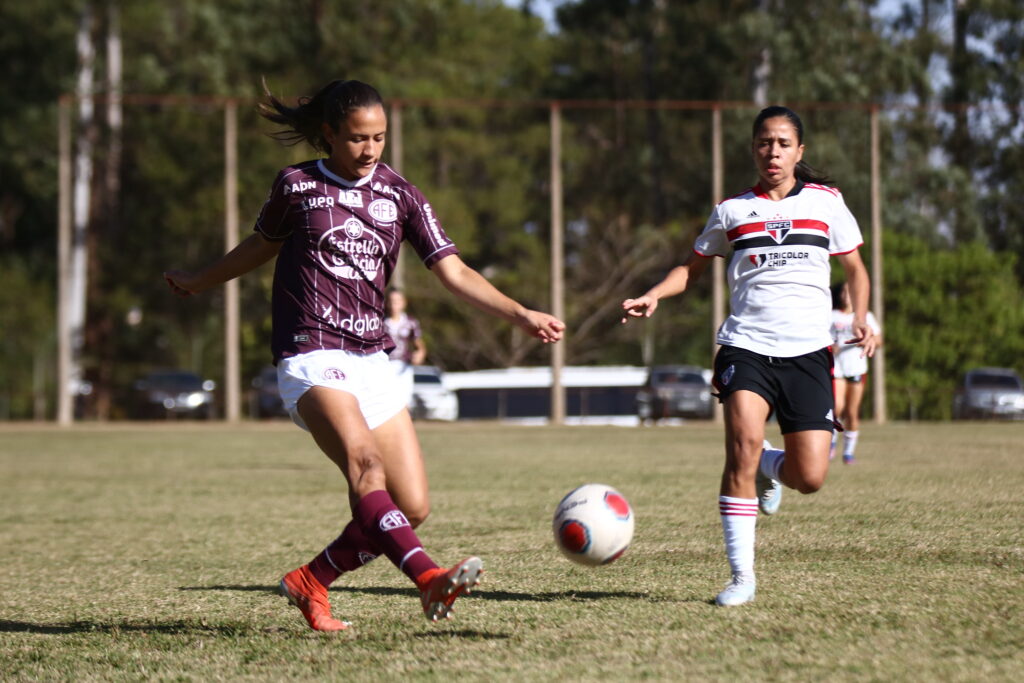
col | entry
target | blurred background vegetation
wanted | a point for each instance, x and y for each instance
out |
(947, 74)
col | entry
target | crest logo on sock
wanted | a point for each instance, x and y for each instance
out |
(393, 520)
(365, 557)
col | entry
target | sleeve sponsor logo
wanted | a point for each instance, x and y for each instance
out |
(383, 210)
(435, 229)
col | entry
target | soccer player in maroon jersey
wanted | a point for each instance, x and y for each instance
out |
(774, 353)
(335, 225)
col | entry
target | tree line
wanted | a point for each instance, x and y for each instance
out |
(948, 75)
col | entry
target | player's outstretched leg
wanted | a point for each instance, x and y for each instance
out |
(309, 595)
(388, 528)
(769, 488)
(439, 587)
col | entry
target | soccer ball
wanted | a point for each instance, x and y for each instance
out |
(593, 524)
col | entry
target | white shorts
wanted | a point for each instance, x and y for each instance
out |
(369, 378)
(849, 363)
(406, 377)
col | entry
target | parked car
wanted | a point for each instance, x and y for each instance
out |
(431, 399)
(989, 393)
(265, 401)
(169, 394)
(675, 391)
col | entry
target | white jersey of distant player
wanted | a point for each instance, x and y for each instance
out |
(779, 266)
(849, 360)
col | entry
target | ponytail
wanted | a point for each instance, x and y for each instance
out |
(804, 172)
(332, 105)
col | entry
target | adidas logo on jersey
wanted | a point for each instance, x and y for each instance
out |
(753, 214)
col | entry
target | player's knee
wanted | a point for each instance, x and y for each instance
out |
(417, 513)
(366, 471)
(810, 484)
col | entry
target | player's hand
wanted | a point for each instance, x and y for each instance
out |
(865, 338)
(182, 282)
(641, 307)
(543, 326)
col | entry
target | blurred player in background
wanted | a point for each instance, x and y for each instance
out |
(335, 225)
(774, 356)
(405, 332)
(851, 370)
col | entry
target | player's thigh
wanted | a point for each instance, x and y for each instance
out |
(806, 462)
(337, 424)
(745, 415)
(404, 469)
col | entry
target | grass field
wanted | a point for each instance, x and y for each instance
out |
(153, 552)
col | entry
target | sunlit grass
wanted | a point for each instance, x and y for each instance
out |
(153, 551)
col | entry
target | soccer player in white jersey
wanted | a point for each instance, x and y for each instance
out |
(774, 352)
(335, 225)
(851, 371)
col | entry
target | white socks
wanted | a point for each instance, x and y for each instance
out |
(739, 518)
(850, 443)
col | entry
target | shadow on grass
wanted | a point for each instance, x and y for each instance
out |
(482, 594)
(171, 627)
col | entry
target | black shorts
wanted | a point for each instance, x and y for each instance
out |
(853, 379)
(798, 389)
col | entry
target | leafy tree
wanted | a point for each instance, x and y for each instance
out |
(947, 310)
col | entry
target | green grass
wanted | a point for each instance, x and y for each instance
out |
(153, 552)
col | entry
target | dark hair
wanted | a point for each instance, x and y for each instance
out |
(837, 296)
(332, 104)
(804, 171)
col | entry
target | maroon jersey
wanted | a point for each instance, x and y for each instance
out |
(341, 241)
(404, 334)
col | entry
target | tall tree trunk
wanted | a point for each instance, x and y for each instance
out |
(658, 161)
(762, 68)
(81, 197)
(101, 320)
(960, 151)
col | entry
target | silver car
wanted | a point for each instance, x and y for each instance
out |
(995, 393)
(675, 391)
(431, 399)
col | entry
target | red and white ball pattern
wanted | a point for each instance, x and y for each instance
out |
(593, 524)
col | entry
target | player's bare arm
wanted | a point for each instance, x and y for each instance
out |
(474, 289)
(676, 282)
(250, 253)
(860, 289)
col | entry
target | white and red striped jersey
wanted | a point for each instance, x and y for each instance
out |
(779, 267)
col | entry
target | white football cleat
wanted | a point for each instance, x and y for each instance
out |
(739, 591)
(769, 491)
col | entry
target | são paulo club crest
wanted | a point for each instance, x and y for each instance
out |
(778, 230)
